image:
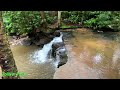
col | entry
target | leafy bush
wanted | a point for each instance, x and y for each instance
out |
(21, 21)
(94, 19)
(50, 19)
(26, 21)
(105, 19)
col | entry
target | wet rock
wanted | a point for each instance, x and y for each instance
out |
(26, 42)
(62, 56)
(55, 46)
(59, 53)
(42, 41)
(57, 33)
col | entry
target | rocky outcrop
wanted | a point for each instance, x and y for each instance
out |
(42, 38)
(59, 53)
(41, 41)
(39, 38)
(56, 46)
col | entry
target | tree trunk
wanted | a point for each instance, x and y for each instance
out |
(44, 24)
(59, 18)
(7, 62)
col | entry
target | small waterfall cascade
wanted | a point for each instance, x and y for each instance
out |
(41, 56)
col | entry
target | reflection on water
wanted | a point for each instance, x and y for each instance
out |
(97, 58)
(24, 55)
(92, 55)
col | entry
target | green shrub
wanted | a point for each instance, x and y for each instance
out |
(21, 21)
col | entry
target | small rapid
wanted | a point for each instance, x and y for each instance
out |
(41, 56)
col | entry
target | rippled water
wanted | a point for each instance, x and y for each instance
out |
(34, 62)
(91, 55)
(24, 55)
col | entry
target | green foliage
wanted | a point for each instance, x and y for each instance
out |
(26, 21)
(106, 19)
(78, 16)
(94, 19)
(72, 16)
(50, 19)
(21, 21)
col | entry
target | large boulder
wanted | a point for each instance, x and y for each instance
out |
(59, 53)
(55, 46)
(42, 41)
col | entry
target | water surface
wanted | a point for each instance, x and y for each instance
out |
(24, 57)
(91, 55)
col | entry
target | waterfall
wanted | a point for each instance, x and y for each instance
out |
(41, 55)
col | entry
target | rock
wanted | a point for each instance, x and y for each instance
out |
(100, 31)
(62, 55)
(57, 33)
(59, 52)
(42, 41)
(55, 46)
(26, 41)
(51, 36)
(14, 37)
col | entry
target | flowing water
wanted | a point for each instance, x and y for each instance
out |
(33, 61)
(91, 55)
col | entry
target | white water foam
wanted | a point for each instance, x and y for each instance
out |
(41, 55)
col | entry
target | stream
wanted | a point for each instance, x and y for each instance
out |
(90, 56)
(35, 62)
